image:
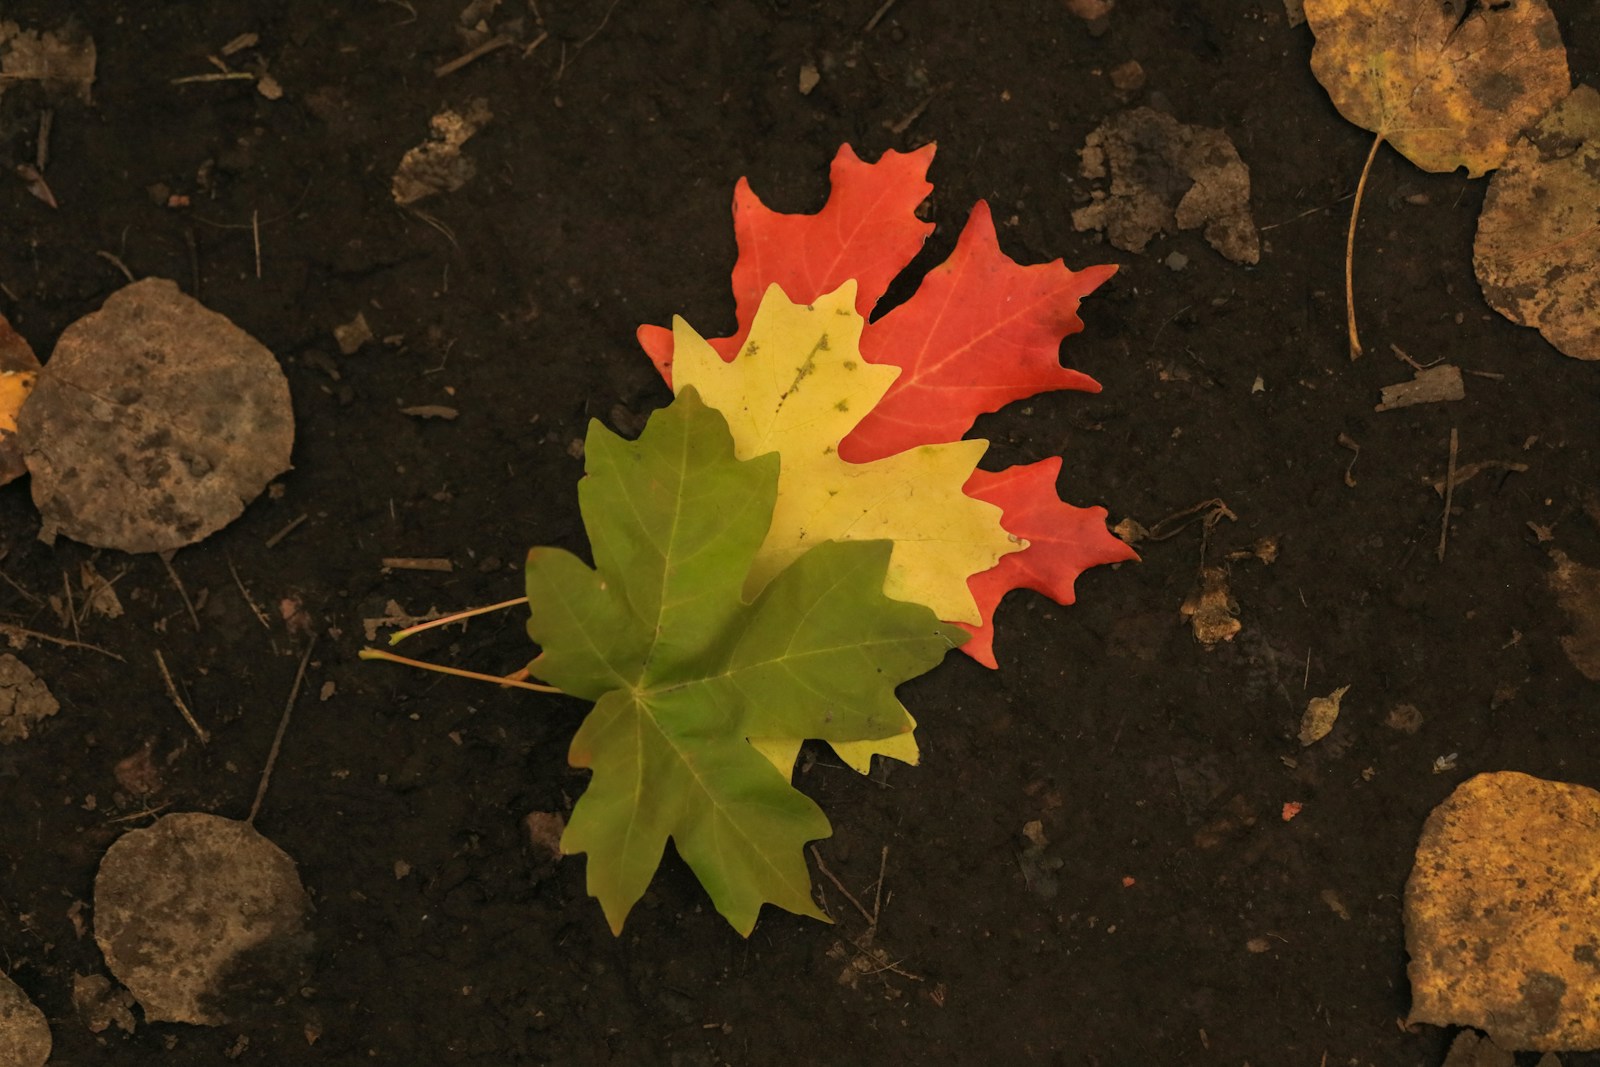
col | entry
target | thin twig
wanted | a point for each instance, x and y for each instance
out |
(255, 237)
(456, 672)
(904, 124)
(35, 601)
(272, 542)
(141, 814)
(260, 615)
(1449, 492)
(183, 709)
(263, 222)
(224, 76)
(277, 739)
(194, 260)
(117, 263)
(877, 894)
(1209, 511)
(851, 897)
(194, 616)
(562, 68)
(877, 17)
(41, 147)
(72, 612)
(1303, 214)
(492, 44)
(460, 616)
(22, 633)
(418, 563)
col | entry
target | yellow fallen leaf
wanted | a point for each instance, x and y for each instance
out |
(1446, 91)
(1577, 590)
(1449, 85)
(19, 370)
(15, 385)
(1320, 715)
(1501, 913)
(1537, 252)
(797, 387)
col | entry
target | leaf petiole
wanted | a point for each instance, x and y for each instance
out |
(400, 635)
(495, 679)
(1350, 251)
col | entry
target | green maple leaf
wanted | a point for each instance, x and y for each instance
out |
(683, 671)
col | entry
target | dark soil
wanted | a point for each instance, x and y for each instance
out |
(1174, 916)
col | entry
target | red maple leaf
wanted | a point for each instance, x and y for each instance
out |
(868, 230)
(980, 332)
(1063, 542)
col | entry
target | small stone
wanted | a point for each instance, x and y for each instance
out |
(1176, 261)
(1128, 77)
(353, 334)
(809, 79)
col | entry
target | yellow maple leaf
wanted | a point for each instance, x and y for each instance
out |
(797, 387)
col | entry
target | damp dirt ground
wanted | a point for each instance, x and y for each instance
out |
(1172, 917)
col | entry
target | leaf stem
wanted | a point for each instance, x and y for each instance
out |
(400, 635)
(512, 680)
(1350, 251)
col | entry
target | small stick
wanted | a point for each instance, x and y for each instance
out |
(194, 260)
(400, 635)
(183, 709)
(877, 17)
(194, 617)
(493, 44)
(22, 632)
(165, 804)
(1214, 507)
(272, 542)
(260, 615)
(877, 895)
(72, 612)
(41, 148)
(456, 672)
(1350, 251)
(1303, 214)
(35, 601)
(851, 897)
(417, 563)
(277, 739)
(915, 114)
(535, 43)
(1449, 491)
(225, 76)
(117, 263)
(255, 236)
(561, 68)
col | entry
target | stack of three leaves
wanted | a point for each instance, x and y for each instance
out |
(774, 555)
